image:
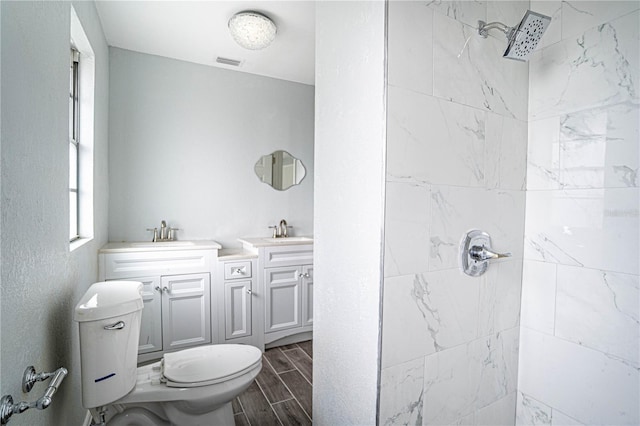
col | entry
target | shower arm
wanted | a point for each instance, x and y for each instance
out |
(483, 29)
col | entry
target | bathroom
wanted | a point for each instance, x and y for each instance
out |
(384, 257)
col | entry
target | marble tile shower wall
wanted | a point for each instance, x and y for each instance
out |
(579, 348)
(456, 160)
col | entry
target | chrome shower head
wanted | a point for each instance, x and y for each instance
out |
(522, 38)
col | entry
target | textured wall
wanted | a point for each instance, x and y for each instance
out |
(184, 139)
(350, 127)
(41, 279)
(580, 356)
(456, 158)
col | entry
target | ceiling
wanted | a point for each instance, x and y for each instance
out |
(196, 31)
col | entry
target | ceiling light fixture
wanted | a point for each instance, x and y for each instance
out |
(252, 30)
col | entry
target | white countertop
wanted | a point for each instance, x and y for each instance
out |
(256, 242)
(136, 246)
(235, 254)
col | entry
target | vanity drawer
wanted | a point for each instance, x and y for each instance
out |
(288, 255)
(136, 264)
(235, 270)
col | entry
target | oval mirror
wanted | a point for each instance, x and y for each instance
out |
(280, 170)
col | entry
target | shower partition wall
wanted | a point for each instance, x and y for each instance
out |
(461, 123)
(456, 161)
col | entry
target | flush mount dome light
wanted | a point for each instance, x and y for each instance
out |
(252, 30)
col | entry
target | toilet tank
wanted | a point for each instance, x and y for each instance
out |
(109, 317)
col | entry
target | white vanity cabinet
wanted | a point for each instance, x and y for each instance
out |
(176, 312)
(286, 274)
(237, 321)
(176, 292)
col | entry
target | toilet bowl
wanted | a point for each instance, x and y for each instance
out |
(190, 387)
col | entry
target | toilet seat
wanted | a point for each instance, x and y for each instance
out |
(208, 365)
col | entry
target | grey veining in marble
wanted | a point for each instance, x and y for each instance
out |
(596, 68)
(530, 412)
(401, 394)
(468, 377)
(470, 70)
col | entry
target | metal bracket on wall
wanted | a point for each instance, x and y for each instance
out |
(29, 378)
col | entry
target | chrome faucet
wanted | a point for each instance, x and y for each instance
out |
(166, 232)
(283, 228)
(163, 230)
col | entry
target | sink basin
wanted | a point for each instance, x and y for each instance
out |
(288, 240)
(163, 244)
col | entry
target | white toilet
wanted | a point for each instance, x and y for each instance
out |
(187, 388)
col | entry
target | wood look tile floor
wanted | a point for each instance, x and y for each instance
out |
(281, 394)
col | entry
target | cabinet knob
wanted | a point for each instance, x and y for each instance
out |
(165, 289)
(249, 291)
(157, 288)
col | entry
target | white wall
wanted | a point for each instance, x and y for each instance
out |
(456, 158)
(41, 279)
(184, 139)
(580, 342)
(348, 217)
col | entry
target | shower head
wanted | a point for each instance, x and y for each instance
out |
(522, 38)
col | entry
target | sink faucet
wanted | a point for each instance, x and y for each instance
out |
(166, 232)
(163, 230)
(283, 228)
(280, 231)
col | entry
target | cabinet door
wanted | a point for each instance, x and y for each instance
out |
(307, 295)
(186, 314)
(237, 309)
(282, 298)
(151, 324)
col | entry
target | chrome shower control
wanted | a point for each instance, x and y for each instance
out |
(476, 252)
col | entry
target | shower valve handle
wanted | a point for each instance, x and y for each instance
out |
(483, 253)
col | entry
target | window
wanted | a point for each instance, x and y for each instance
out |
(82, 71)
(74, 136)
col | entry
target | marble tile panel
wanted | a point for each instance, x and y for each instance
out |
(465, 11)
(543, 157)
(583, 383)
(500, 413)
(457, 210)
(401, 392)
(538, 296)
(530, 412)
(599, 147)
(426, 313)
(408, 208)
(434, 141)
(579, 16)
(410, 46)
(468, 420)
(594, 228)
(500, 297)
(560, 419)
(552, 8)
(601, 310)
(505, 155)
(599, 67)
(469, 70)
(468, 377)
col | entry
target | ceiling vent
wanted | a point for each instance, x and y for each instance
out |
(227, 61)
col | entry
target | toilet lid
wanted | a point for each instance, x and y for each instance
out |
(210, 364)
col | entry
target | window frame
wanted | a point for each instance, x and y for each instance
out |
(74, 142)
(86, 120)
